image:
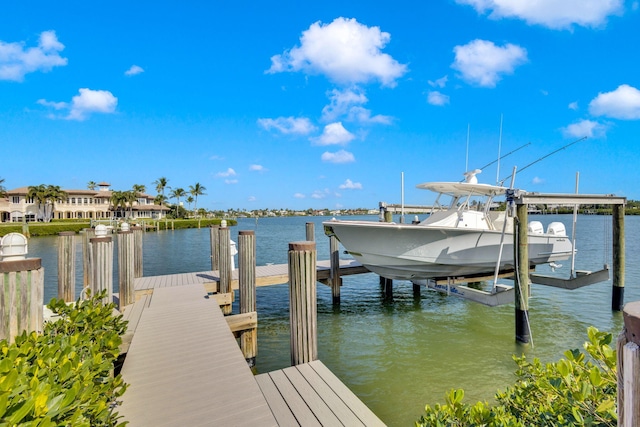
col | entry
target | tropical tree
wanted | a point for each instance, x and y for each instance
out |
(138, 189)
(45, 197)
(161, 184)
(118, 200)
(130, 197)
(197, 190)
(189, 200)
(3, 191)
(159, 199)
(177, 193)
(91, 185)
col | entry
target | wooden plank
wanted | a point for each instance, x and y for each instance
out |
(351, 400)
(279, 407)
(242, 321)
(326, 393)
(318, 406)
(296, 403)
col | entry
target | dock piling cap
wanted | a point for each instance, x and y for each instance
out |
(13, 247)
(302, 246)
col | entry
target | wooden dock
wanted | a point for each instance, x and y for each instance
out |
(266, 275)
(184, 367)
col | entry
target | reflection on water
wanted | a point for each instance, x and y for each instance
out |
(399, 355)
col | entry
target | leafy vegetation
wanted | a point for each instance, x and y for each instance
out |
(579, 390)
(64, 376)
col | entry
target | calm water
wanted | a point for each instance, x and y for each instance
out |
(399, 355)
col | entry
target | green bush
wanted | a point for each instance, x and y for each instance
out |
(64, 376)
(579, 390)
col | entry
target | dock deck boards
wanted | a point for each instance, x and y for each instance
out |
(265, 275)
(184, 367)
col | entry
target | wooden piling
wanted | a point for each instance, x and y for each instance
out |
(224, 287)
(617, 297)
(311, 234)
(521, 255)
(21, 297)
(302, 302)
(247, 291)
(101, 253)
(215, 248)
(126, 268)
(138, 264)
(87, 234)
(66, 266)
(334, 274)
(628, 371)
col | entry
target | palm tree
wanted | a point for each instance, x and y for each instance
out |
(54, 194)
(3, 191)
(189, 200)
(119, 200)
(197, 190)
(161, 184)
(45, 197)
(177, 193)
(139, 189)
(91, 185)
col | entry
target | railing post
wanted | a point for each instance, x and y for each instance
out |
(21, 297)
(247, 291)
(66, 266)
(87, 234)
(224, 238)
(302, 302)
(126, 267)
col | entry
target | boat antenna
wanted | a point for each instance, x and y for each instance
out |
(499, 147)
(547, 155)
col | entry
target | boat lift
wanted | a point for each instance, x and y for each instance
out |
(503, 294)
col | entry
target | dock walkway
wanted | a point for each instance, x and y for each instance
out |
(184, 367)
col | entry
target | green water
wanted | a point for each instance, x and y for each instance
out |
(399, 355)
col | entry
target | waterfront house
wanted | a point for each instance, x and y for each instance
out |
(80, 204)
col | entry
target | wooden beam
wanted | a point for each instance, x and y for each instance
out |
(243, 321)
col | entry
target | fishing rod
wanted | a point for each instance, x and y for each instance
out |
(500, 158)
(547, 155)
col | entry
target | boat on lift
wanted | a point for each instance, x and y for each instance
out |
(464, 237)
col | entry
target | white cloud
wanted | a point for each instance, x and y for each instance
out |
(257, 168)
(92, 101)
(82, 105)
(134, 70)
(299, 196)
(483, 63)
(573, 106)
(341, 156)
(16, 60)
(230, 181)
(537, 180)
(550, 13)
(320, 194)
(350, 185)
(334, 133)
(582, 128)
(229, 172)
(437, 98)
(441, 82)
(216, 157)
(348, 103)
(345, 51)
(288, 125)
(251, 199)
(623, 103)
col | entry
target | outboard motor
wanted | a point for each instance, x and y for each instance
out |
(535, 227)
(556, 229)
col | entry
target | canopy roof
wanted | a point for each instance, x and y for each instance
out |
(457, 189)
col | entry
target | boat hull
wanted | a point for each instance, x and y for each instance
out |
(409, 252)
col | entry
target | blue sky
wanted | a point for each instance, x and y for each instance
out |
(299, 105)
